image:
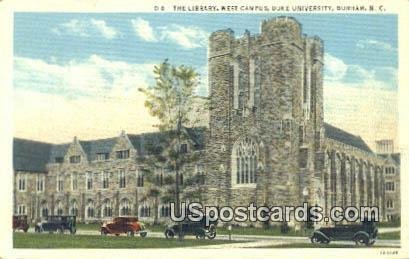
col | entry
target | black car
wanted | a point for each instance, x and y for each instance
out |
(57, 223)
(198, 229)
(362, 234)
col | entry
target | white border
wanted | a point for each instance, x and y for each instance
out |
(8, 7)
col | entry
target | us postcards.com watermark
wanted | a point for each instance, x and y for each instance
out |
(197, 212)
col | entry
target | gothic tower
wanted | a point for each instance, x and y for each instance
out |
(266, 115)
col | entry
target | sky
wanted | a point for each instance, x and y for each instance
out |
(77, 74)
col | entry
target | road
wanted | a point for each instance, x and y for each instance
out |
(263, 241)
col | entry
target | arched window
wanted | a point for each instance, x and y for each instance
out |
(244, 162)
(44, 209)
(107, 208)
(90, 209)
(59, 208)
(125, 207)
(74, 208)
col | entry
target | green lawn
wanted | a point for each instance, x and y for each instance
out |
(389, 235)
(34, 240)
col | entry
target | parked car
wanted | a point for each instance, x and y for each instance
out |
(20, 222)
(124, 225)
(198, 229)
(57, 223)
(362, 234)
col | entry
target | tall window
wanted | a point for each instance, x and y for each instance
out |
(75, 159)
(390, 186)
(59, 208)
(244, 162)
(60, 183)
(74, 181)
(145, 211)
(139, 180)
(164, 211)
(74, 208)
(44, 209)
(122, 179)
(21, 182)
(89, 181)
(105, 180)
(125, 207)
(107, 208)
(389, 204)
(390, 170)
(21, 209)
(159, 179)
(122, 154)
(40, 183)
(90, 209)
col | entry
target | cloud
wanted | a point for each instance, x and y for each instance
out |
(335, 68)
(185, 36)
(90, 98)
(54, 118)
(368, 43)
(89, 77)
(86, 28)
(106, 31)
(369, 112)
(337, 71)
(361, 101)
(143, 29)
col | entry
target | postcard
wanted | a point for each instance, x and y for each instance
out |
(234, 129)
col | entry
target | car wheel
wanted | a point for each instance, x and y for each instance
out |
(60, 231)
(361, 240)
(212, 232)
(25, 230)
(130, 233)
(117, 235)
(143, 234)
(73, 231)
(169, 234)
(314, 239)
(200, 236)
(104, 232)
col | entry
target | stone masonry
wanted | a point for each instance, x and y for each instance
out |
(266, 142)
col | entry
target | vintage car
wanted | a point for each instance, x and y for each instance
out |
(20, 222)
(198, 229)
(362, 234)
(58, 223)
(124, 225)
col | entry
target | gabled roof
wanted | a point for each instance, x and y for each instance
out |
(396, 157)
(93, 147)
(58, 151)
(29, 155)
(345, 137)
(33, 156)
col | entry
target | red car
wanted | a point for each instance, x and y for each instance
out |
(124, 225)
(20, 222)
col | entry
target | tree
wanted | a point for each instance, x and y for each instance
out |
(171, 100)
